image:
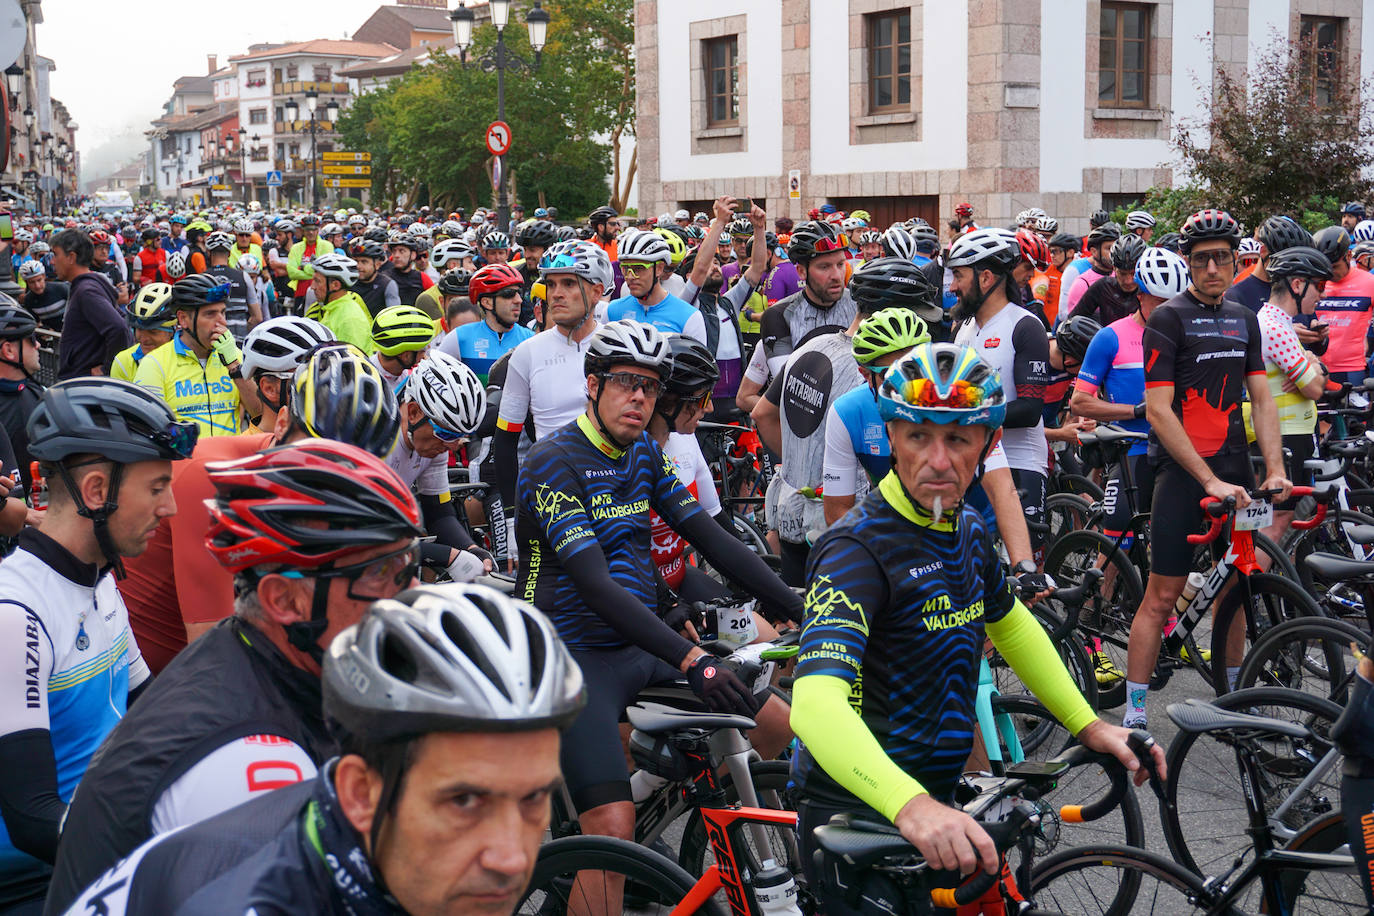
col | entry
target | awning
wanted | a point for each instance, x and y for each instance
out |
(16, 198)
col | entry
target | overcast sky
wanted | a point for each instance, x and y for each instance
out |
(116, 63)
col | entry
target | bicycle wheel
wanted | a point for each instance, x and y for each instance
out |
(1203, 815)
(1280, 563)
(1116, 880)
(1271, 601)
(752, 537)
(1104, 621)
(771, 780)
(1340, 599)
(1308, 654)
(1075, 659)
(572, 876)
(1066, 512)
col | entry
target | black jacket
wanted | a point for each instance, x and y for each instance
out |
(93, 331)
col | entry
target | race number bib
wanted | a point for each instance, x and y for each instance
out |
(1259, 514)
(736, 624)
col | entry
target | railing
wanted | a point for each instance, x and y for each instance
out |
(296, 87)
(47, 357)
(302, 126)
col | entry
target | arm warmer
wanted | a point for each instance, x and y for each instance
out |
(744, 567)
(504, 445)
(29, 802)
(441, 520)
(626, 614)
(1026, 645)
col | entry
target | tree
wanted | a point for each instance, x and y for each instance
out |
(1267, 147)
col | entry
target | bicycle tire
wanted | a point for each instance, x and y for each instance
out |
(1079, 484)
(1075, 659)
(1273, 600)
(657, 879)
(1057, 883)
(1338, 598)
(1325, 834)
(1308, 654)
(1068, 512)
(770, 777)
(1215, 795)
(1280, 563)
(1104, 621)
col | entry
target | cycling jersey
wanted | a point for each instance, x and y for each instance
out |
(253, 248)
(430, 302)
(172, 244)
(478, 346)
(346, 316)
(1205, 352)
(1114, 365)
(788, 324)
(670, 315)
(409, 282)
(392, 380)
(683, 454)
(299, 260)
(126, 362)
(17, 401)
(1058, 386)
(428, 476)
(546, 379)
(72, 662)
(242, 294)
(855, 437)
(1087, 278)
(1013, 342)
(1346, 306)
(777, 284)
(49, 306)
(1106, 302)
(200, 392)
(230, 718)
(720, 314)
(1284, 358)
(1250, 293)
(378, 293)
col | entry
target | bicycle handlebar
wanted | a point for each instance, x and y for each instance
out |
(1140, 743)
(1219, 510)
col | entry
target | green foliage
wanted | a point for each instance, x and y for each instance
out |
(346, 203)
(1169, 206)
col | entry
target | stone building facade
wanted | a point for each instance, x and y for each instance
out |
(911, 107)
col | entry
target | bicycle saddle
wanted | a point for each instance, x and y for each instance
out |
(1360, 534)
(1198, 716)
(653, 719)
(861, 842)
(1335, 568)
(1109, 434)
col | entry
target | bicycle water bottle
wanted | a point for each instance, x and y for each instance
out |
(1190, 588)
(775, 891)
(643, 784)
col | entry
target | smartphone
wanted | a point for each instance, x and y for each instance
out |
(1318, 326)
(6, 226)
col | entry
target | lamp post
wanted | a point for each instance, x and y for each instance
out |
(243, 168)
(501, 59)
(293, 110)
(312, 101)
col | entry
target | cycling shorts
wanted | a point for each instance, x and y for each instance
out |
(1298, 448)
(1177, 509)
(593, 759)
(1117, 499)
(1031, 485)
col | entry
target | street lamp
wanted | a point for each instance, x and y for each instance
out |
(312, 101)
(501, 59)
(14, 82)
(243, 167)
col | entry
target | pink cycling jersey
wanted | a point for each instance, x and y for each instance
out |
(1346, 306)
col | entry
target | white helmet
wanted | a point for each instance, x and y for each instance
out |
(450, 250)
(176, 265)
(682, 214)
(1364, 231)
(279, 344)
(243, 226)
(329, 229)
(582, 259)
(419, 229)
(665, 220)
(30, 269)
(339, 267)
(1139, 219)
(447, 392)
(640, 246)
(899, 243)
(23, 235)
(997, 246)
(1249, 247)
(1161, 273)
(249, 264)
(626, 343)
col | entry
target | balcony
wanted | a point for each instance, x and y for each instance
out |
(298, 87)
(302, 126)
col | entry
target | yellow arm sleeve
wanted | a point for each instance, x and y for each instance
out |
(844, 747)
(1027, 647)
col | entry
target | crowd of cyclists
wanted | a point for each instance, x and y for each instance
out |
(339, 545)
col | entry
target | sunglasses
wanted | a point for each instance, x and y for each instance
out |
(380, 577)
(1222, 257)
(701, 402)
(922, 392)
(634, 270)
(443, 435)
(217, 293)
(629, 382)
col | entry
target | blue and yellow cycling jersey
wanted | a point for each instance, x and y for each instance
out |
(125, 365)
(203, 393)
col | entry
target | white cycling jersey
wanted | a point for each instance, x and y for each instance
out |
(545, 378)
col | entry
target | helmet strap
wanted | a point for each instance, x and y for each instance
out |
(305, 634)
(601, 424)
(503, 327)
(100, 518)
(281, 397)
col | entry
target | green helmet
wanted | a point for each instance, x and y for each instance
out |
(888, 331)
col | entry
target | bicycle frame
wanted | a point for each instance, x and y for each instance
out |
(723, 827)
(994, 725)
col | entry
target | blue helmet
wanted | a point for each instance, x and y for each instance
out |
(942, 383)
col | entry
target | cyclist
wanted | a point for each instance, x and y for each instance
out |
(495, 247)
(400, 337)
(377, 290)
(1012, 341)
(244, 243)
(585, 560)
(1028, 277)
(336, 306)
(534, 238)
(1274, 235)
(242, 307)
(1115, 296)
(818, 252)
(175, 242)
(1201, 354)
(497, 290)
(1346, 307)
(198, 373)
(154, 321)
(302, 256)
(313, 533)
(645, 262)
(447, 256)
(1352, 214)
(1141, 224)
(152, 259)
(1088, 270)
(1063, 249)
(46, 299)
(896, 749)
(605, 226)
(412, 732)
(963, 215)
(271, 354)
(19, 392)
(93, 329)
(401, 267)
(76, 665)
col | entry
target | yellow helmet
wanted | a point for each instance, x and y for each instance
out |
(677, 248)
(152, 308)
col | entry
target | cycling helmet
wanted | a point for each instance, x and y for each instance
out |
(896, 282)
(1333, 241)
(862, 215)
(677, 245)
(285, 225)
(540, 233)
(491, 279)
(811, 239)
(151, 308)
(1107, 232)
(97, 236)
(455, 282)
(985, 249)
(337, 393)
(1299, 261)
(639, 246)
(691, 367)
(448, 393)
(199, 227)
(1161, 272)
(1279, 232)
(869, 237)
(1127, 251)
(402, 328)
(451, 228)
(150, 235)
(927, 239)
(366, 248)
(278, 345)
(1033, 248)
(114, 419)
(1139, 219)
(496, 241)
(243, 227)
(335, 266)
(249, 264)
(695, 232)
(1170, 241)
(626, 343)
(179, 218)
(329, 229)
(31, 268)
(198, 290)
(23, 235)
(377, 234)
(942, 383)
(1362, 250)
(583, 259)
(1364, 231)
(601, 215)
(740, 228)
(451, 250)
(898, 243)
(419, 229)
(886, 331)
(1074, 335)
(1206, 225)
(176, 265)
(1023, 218)
(1249, 249)
(1354, 208)
(963, 209)
(219, 241)
(852, 227)
(1066, 242)
(1046, 225)
(451, 658)
(309, 219)
(1099, 218)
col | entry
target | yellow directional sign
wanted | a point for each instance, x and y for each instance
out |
(346, 182)
(219, 187)
(345, 156)
(346, 169)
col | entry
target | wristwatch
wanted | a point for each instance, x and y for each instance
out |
(1024, 568)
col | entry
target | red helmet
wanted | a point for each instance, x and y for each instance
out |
(490, 280)
(100, 237)
(306, 505)
(1033, 248)
(963, 209)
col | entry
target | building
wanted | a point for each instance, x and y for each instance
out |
(174, 151)
(408, 24)
(1063, 104)
(38, 136)
(130, 178)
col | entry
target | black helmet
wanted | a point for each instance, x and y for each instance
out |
(310, 219)
(1066, 241)
(16, 322)
(114, 419)
(1354, 208)
(541, 233)
(887, 282)
(1099, 218)
(338, 394)
(1107, 232)
(691, 367)
(811, 239)
(1299, 261)
(1206, 225)
(1169, 241)
(567, 233)
(198, 290)
(455, 282)
(377, 234)
(601, 215)
(1279, 232)
(1127, 251)
(150, 235)
(366, 248)
(1333, 241)
(1074, 335)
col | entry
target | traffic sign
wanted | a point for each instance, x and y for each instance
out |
(225, 193)
(346, 169)
(498, 138)
(345, 156)
(274, 179)
(346, 182)
(794, 184)
(219, 187)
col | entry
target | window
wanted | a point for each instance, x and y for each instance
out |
(257, 77)
(281, 152)
(259, 154)
(322, 73)
(889, 61)
(1320, 41)
(257, 116)
(722, 81)
(1123, 53)
(292, 71)
(188, 144)
(294, 149)
(281, 115)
